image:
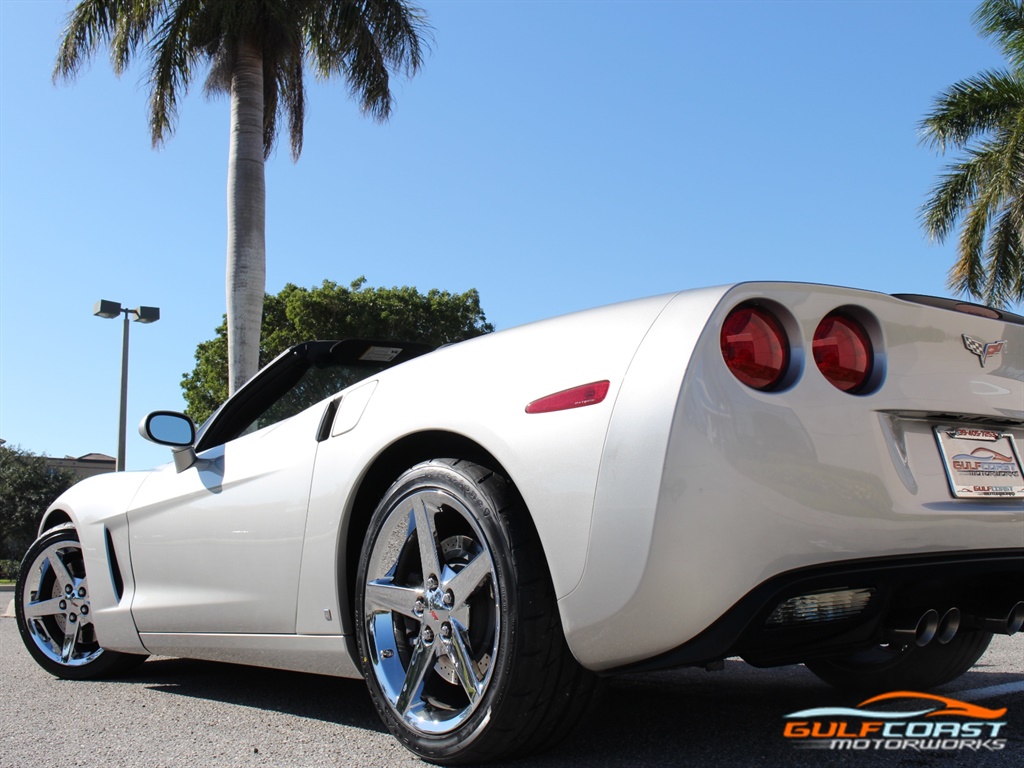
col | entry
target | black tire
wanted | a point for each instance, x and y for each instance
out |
(463, 670)
(889, 667)
(52, 606)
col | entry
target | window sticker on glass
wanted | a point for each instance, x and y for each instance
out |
(980, 463)
(381, 354)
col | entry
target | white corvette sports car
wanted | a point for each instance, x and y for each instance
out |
(784, 472)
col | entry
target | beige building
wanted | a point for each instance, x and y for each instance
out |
(84, 466)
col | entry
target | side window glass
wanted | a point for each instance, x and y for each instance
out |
(297, 379)
(317, 384)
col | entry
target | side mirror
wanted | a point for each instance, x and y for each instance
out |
(168, 428)
(175, 430)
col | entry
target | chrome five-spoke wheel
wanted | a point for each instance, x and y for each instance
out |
(458, 633)
(432, 618)
(54, 609)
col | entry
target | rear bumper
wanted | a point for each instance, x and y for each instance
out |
(981, 585)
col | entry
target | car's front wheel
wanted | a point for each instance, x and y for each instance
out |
(53, 607)
(459, 635)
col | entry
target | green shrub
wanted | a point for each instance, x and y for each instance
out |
(27, 487)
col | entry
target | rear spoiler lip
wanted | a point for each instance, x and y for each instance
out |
(965, 307)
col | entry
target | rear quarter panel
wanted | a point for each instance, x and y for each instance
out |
(758, 483)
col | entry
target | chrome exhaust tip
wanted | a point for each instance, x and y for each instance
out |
(919, 633)
(1008, 623)
(949, 625)
(1015, 619)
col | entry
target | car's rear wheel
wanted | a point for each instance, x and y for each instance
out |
(458, 631)
(54, 610)
(894, 666)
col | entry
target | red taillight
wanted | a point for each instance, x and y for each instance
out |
(577, 397)
(842, 349)
(755, 347)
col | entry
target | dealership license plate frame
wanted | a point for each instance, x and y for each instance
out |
(980, 463)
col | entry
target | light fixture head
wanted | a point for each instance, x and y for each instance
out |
(147, 314)
(107, 309)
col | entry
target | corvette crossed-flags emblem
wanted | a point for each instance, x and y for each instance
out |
(982, 350)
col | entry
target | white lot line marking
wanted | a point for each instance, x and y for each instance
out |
(990, 691)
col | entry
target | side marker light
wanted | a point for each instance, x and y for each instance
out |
(577, 397)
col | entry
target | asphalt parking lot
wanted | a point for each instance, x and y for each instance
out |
(174, 712)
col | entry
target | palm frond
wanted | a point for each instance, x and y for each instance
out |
(222, 61)
(994, 198)
(365, 41)
(342, 44)
(400, 30)
(1004, 266)
(270, 106)
(89, 25)
(292, 88)
(281, 36)
(366, 71)
(985, 189)
(1004, 21)
(967, 275)
(972, 107)
(173, 51)
(131, 26)
(983, 193)
(956, 190)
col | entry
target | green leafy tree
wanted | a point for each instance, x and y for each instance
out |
(255, 51)
(27, 488)
(982, 117)
(334, 312)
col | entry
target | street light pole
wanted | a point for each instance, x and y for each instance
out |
(122, 421)
(111, 310)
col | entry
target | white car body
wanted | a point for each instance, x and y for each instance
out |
(671, 515)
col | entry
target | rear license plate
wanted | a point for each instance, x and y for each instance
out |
(980, 463)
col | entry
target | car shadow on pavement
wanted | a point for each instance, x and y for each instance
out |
(331, 699)
(686, 716)
(734, 718)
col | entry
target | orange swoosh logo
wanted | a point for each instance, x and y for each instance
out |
(952, 706)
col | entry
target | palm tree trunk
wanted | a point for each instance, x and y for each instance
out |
(246, 257)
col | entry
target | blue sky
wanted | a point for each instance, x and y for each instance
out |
(553, 155)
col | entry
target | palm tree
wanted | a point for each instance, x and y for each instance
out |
(983, 118)
(256, 51)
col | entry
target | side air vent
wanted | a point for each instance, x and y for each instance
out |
(115, 570)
